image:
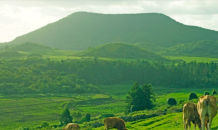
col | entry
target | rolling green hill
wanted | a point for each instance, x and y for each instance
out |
(33, 48)
(29, 49)
(150, 47)
(10, 54)
(200, 49)
(81, 30)
(120, 50)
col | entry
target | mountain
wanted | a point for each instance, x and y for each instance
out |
(81, 30)
(120, 50)
(201, 48)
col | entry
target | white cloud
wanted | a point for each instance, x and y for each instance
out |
(18, 17)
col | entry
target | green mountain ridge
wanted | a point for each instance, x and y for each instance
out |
(120, 50)
(82, 30)
(201, 49)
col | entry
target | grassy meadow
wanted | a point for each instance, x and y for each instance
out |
(31, 110)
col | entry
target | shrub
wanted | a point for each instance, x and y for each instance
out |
(206, 93)
(192, 96)
(44, 124)
(214, 92)
(181, 101)
(23, 128)
(88, 117)
(171, 101)
(106, 115)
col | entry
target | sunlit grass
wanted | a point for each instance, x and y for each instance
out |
(189, 59)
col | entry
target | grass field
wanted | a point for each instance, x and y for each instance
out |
(189, 59)
(32, 110)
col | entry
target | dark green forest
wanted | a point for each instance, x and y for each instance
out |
(35, 75)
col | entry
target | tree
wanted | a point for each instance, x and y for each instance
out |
(214, 92)
(140, 98)
(88, 117)
(171, 101)
(192, 96)
(206, 93)
(148, 95)
(65, 117)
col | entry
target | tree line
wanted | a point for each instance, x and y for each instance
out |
(35, 75)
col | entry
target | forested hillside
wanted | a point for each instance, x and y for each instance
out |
(34, 75)
(201, 49)
(120, 50)
(81, 30)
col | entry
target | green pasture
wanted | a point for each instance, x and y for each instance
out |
(189, 59)
(172, 121)
(32, 110)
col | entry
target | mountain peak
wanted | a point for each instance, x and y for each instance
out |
(81, 30)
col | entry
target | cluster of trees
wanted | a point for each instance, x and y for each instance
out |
(140, 98)
(28, 76)
(34, 75)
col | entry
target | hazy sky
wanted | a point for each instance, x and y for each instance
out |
(18, 17)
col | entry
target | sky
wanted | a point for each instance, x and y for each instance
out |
(18, 17)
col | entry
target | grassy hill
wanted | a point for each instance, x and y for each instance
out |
(81, 30)
(150, 47)
(10, 54)
(120, 50)
(30, 47)
(200, 49)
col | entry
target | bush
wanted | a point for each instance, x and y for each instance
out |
(171, 101)
(181, 101)
(23, 128)
(44, 124)
(214, 92)
(206, 93)
(192, 96)
(88, 117)
(106, 115)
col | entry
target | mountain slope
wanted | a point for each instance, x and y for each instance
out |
(201, 48)
(81, 30)
(120, 50)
